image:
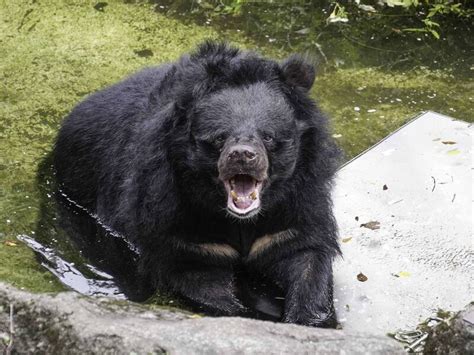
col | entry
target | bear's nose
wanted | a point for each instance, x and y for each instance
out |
(243, 153)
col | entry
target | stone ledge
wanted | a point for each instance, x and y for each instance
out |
(73, 324)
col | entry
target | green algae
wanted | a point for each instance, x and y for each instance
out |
(18, 267)
(55, 53)
(367, 104)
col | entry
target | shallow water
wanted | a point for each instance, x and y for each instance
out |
(369, 83)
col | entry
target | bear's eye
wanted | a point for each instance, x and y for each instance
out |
(219, 140)
(267, 138)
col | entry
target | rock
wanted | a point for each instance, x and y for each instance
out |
(71, 323)
(456, 336)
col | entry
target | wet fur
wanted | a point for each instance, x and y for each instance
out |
(127, 154)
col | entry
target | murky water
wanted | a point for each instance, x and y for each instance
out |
(371, 80)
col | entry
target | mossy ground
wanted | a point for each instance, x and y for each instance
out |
(55, 53)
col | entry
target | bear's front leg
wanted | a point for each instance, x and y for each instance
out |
(307, 279)
(211, 288)
(200, 273)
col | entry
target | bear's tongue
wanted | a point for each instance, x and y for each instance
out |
(243, 190)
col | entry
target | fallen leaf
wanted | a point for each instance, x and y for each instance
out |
(403, 274)
(195, 316)
(368, 8)
(454, 152)
(303, 31)
(345, 240)
(385, 187)
(371, 225)
(361, 277)
(9, 243)
(448, 142)
(357, 218)
(436, 139)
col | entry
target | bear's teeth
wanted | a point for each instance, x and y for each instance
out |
(234, 195)
(253, 195)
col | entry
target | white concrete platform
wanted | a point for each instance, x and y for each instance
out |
(421, 256)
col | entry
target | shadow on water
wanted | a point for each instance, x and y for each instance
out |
(392, 39)
(92, 259)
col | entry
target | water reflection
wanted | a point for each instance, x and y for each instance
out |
(377, 39)
(77, 248)
(69, 275)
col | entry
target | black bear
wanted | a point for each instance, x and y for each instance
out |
(215, 162)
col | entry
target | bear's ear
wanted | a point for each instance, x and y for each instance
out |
(298, 72)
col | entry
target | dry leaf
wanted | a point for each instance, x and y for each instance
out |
(345, 240)
(9, 243)
(454, 152)
(403, 274)
(448, 142)
(361, 277)
(303, 31)
(371, 225)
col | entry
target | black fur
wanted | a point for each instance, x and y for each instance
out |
(143, 155)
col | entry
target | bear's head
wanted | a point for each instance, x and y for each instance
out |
(245, 119)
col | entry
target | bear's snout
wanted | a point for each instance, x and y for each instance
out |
(243, 158)
(242, 154)
(243, 170)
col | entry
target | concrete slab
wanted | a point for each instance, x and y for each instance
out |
(417, 255)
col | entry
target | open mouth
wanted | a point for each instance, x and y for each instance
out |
(243, 194)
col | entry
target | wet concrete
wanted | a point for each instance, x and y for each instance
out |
(418, 258)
